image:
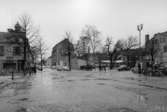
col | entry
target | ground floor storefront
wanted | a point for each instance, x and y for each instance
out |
(11, 65)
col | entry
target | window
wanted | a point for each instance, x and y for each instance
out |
(162, 39)
(165, 48)
(16, 51)
(156, 41)
(1, 50)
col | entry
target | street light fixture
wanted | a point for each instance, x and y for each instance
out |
(139, 28)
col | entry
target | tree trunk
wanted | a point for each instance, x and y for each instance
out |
(24, 62)
(69, 60)
(41, 64)
(110, 56)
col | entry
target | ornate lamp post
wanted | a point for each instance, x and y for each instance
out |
(139, 28)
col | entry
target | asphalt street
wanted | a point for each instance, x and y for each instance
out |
(83, 91)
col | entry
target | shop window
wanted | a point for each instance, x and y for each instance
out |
(1, 50)
(165, 48)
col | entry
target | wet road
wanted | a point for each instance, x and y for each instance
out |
(76, 91)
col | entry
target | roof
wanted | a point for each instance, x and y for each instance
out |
(11, 36)
(61, 42)
(160, 34)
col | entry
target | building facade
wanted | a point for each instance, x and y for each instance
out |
(82, 46)
(12, 51)
(61, 52)
(158, 48)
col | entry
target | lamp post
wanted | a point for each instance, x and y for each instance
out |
(139, 28)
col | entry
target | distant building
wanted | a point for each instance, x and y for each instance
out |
(49, 61)
(60, 55)
(12, 50)
(158, 44)
(82, 46)
(128, 57)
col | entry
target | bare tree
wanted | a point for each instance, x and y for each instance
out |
(119, 45)
(126, 44)
(93, 34)
(109, 42)
(131, 42)
(32, 33)
(41, 47)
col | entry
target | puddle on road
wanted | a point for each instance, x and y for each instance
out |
(89, 75)
(103, 79)
(58, 77)
(70, 80)
(74, 108)
(23, 99)
(153, 87)
(101, 83)
(85, 79)
(22, 109)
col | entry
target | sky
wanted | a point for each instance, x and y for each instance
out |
(116, 18)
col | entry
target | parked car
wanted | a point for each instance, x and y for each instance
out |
(87, 67)
(123, 68)
(53, 67)
(59, 68)
(65, 68)
(62, 68)
(163, 70)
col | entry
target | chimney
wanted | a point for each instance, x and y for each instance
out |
(147, 38)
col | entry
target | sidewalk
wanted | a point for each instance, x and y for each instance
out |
(7, 79)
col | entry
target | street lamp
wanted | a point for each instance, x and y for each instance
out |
(139, 28)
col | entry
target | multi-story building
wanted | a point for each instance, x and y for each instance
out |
(158, 48)
(12, 50)
(83, 46)
(60, 54)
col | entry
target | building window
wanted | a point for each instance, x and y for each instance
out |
(1, 50)
(165, 48)
(163, 39)
(156, 41)
(16, 51)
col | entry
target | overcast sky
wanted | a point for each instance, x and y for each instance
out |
(116, 18)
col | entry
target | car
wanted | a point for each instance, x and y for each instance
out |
(65, 68)
(123, 68)
(53, 67)
(87, 67)
(59, 68)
